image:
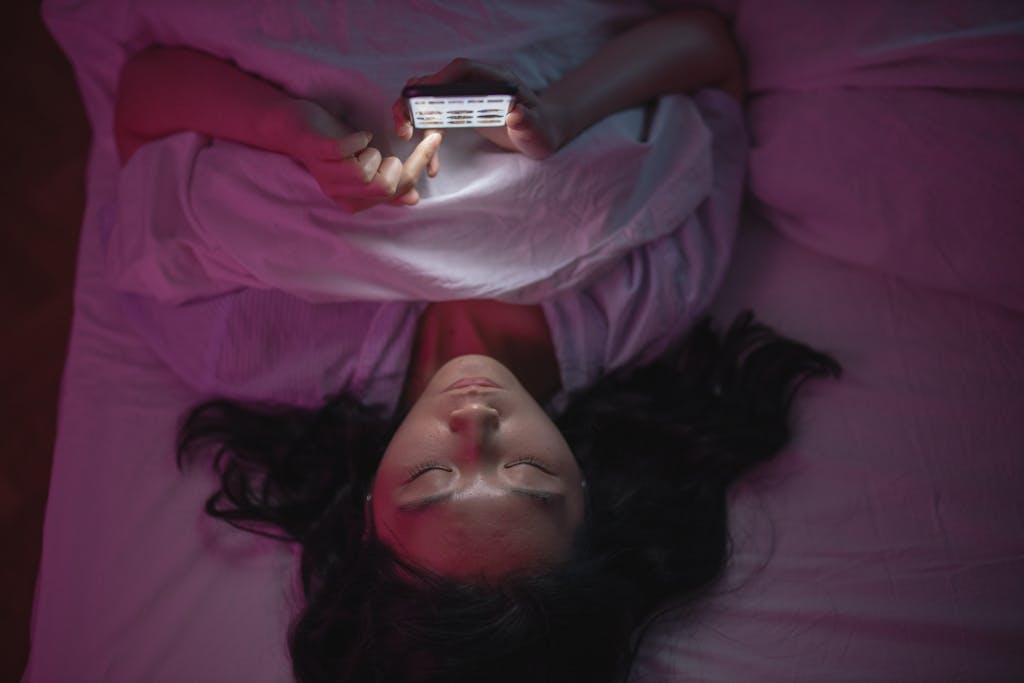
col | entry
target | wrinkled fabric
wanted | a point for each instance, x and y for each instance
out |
(260, 344)
(196, 219)
(886, 542)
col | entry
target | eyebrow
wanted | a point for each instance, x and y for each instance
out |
(437, 498)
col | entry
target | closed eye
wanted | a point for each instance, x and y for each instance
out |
(419, 470)
(422, 468)
(530, 460)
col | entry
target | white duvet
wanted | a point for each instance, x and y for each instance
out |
(197, 218)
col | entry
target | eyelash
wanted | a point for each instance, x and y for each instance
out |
(425, 467)
(530, 460)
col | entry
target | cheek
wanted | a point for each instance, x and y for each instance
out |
(545, 438)
(412, 441)
(413, 444)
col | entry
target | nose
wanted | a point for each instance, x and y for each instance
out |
(474, 422)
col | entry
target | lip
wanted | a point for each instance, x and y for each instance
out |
(467, 382)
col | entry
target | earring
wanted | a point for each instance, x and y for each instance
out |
(369, 497)
(583, 483)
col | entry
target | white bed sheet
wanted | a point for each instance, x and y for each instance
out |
(887, 543)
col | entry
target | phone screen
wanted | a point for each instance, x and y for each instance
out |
(459, 105)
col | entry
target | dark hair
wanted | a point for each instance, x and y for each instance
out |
(659, 447)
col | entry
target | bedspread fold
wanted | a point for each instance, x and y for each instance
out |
(197, 218)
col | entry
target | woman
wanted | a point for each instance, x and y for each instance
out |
(468, 535)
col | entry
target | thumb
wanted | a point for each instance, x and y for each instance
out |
(522, 118)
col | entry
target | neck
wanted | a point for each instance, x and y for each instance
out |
(515, 335)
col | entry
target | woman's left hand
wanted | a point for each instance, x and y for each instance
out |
(532, 127)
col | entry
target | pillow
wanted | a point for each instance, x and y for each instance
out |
(890, 134)
(925, 184)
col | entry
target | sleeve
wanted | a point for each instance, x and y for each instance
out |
(636, 310)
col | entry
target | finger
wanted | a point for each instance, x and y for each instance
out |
(410, 198)
(434, 164)
(421, 156)
(400, 113)
(389, 175)
(369, 161)
(343, 177)
(516, 119)
(348, 146)
(418, 161)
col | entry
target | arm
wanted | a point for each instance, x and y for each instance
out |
(677, 52)
(164, 90)
(680, 51)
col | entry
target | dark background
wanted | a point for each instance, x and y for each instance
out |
(45, 138)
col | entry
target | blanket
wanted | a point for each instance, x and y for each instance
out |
(197, 218)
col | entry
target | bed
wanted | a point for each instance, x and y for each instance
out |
(885, 224)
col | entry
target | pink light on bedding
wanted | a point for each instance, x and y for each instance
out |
(892, 137)
(887, 543)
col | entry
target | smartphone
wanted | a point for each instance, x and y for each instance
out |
(459, 105)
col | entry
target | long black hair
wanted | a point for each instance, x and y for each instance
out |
(659, 447)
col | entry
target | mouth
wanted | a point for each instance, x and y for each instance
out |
(467, 382)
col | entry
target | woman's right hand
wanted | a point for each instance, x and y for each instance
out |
(349, 171)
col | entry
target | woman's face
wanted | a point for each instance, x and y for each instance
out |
(477, 481)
